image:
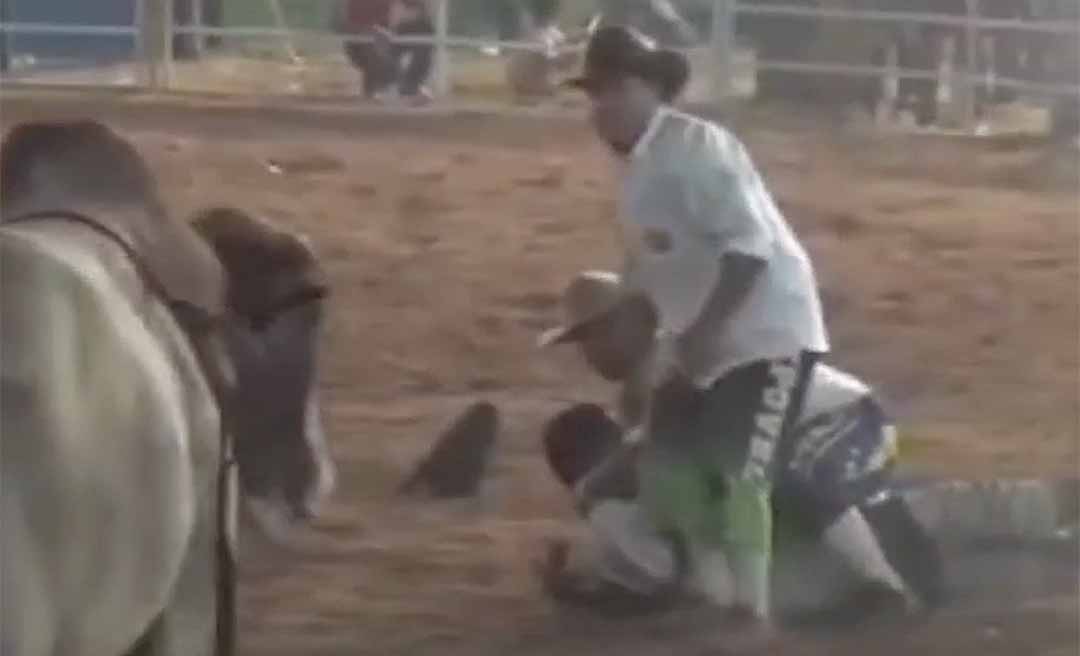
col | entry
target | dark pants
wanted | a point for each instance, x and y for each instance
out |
(418, 67)
(734, 418)
(382, 67)
(376, 64)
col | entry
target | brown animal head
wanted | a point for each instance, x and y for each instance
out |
(275, 294)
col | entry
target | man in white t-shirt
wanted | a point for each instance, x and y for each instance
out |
(740, 319)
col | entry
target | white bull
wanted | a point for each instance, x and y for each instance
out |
(110, 423)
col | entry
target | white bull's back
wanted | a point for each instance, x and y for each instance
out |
(108, 443)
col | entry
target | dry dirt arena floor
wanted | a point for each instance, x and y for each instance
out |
(950, 277)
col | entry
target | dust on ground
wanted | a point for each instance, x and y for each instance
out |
(950, 277)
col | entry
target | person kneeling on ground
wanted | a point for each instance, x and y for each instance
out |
(843, 448)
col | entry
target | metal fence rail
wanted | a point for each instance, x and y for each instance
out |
(977, 22)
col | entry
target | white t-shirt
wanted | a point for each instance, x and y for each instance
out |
(690, 194)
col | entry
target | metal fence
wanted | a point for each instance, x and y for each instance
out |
(299, 53)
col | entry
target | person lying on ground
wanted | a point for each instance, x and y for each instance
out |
(843, 451)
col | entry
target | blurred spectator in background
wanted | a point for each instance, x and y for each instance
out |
(386, 62)
(4, 54)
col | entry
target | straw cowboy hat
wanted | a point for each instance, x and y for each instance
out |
(589, 297)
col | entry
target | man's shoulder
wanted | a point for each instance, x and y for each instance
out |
(678, 122)
(698, 141)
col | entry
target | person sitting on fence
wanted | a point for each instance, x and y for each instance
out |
(385, 62)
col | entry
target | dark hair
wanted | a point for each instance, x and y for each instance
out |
(669, 71)
(85, 157)
(578, 439)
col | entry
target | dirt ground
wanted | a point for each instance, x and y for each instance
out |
(950, 276)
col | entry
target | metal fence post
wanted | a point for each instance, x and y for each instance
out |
(155, 35)
(141, 62)
(971, 70)
(5, 42)
(723, 49)
(443, 83)
(166, 25)
(198, 40)
(147, 41)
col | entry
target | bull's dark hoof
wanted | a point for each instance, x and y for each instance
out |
(455, 465)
